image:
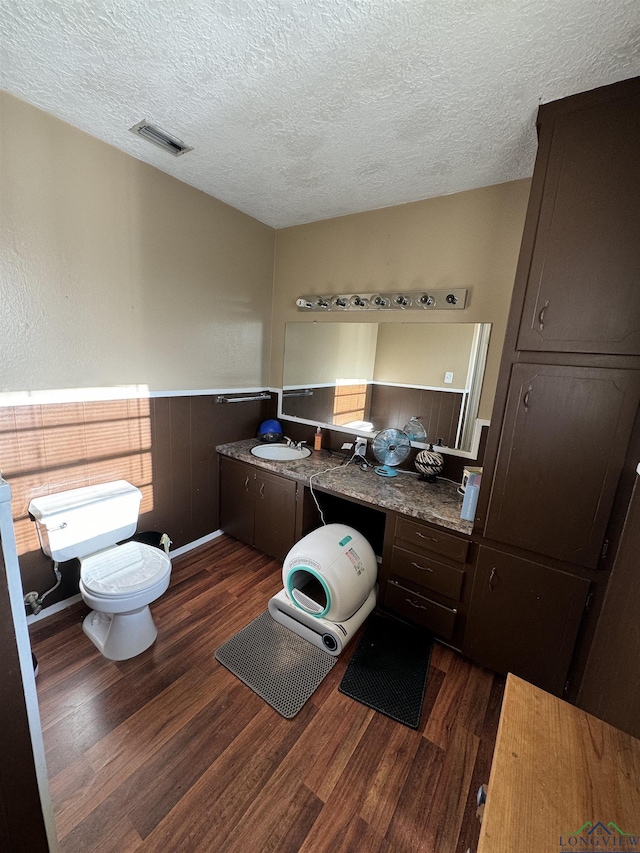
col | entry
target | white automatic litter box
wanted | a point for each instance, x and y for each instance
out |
(329, 580)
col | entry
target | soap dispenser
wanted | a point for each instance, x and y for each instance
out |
(317, 439)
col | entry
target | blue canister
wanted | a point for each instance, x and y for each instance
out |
(270, 430)
(470, 501)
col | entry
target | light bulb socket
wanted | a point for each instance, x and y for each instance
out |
(359, 302)
(379, 300)
(401, 300)
(426, 301)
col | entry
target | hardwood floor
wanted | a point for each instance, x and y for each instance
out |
(170, 752)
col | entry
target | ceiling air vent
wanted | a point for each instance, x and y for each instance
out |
(161, 138)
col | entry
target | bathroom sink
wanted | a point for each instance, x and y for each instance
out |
(280, 452)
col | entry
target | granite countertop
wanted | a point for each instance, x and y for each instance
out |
(438, 503)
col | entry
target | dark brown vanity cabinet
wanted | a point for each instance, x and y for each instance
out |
(584, 269)
(424, 579)
(257, 507)
(562, 447)
(524, 618)
(275, 514)
(237, 490)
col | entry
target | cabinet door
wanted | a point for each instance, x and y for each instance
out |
(275, 513)
(236, 499)
(582, 290)
(524, 618)
(561, 450)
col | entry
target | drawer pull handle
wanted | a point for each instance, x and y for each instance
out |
(246, 485)
(541, 315)
(261, 490)
(422, 568)
(492, 579)
(422, 607)
(430, 538)
(526, 398)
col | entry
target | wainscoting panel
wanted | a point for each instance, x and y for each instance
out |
(163, 445)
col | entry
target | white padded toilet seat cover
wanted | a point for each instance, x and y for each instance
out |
(124, 569)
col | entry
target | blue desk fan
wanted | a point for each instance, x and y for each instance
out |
(390, 447)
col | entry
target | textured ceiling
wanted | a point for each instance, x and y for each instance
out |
(301, 110)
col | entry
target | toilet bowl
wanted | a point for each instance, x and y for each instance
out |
(118, 582)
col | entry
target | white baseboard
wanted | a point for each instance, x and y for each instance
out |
(68, 602)
(198, 542)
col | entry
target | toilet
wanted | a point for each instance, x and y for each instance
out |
(118, 582)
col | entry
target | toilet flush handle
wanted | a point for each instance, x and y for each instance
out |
(59, 527)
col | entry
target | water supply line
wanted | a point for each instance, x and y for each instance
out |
(34, 599)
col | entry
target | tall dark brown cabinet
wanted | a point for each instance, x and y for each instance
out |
(610, 688)
(567, 396)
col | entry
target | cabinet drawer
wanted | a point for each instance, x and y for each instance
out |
(417, 608)
(427, 572)
(433, 540)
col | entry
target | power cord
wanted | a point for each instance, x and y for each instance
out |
(354, 459)
(319, 474)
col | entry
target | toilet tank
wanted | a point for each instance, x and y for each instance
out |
(82, 521)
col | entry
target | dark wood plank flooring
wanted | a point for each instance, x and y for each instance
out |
(170, 752)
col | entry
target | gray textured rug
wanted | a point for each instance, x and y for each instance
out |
(282, 668)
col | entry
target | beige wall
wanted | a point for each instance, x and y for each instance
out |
(421, 354)
(113, 273)
(469, 239)
(324, 353)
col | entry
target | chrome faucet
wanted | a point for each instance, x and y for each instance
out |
(297, 445)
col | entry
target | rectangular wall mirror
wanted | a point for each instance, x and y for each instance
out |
(361, 377)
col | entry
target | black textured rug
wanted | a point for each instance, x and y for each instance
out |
(389, 668)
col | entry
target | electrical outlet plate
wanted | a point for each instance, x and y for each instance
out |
(448, 377)
(361, 446)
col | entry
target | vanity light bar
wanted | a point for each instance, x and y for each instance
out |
(454, 299)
